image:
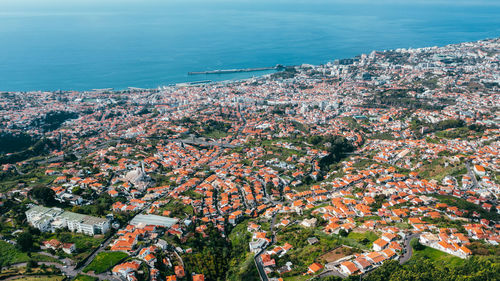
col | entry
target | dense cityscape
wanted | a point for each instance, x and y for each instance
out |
(384, 166)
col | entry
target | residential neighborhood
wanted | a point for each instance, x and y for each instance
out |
(317, 172)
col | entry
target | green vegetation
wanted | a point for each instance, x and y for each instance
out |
(84, 244)
(434, 255)
(32, 176)
(25, 241)
(241, 264)
(82, 277)
(450, 128)
(210, 254)
(177, 208)
(215, 129)
(288, 72)
(447, 124)
(297, 278)
(431, 83)
(48, 278)
(43, 195)
(338, 147)
(463, 204)
(100, 207)
(41, 147)
(415, 244)
(475, 268)
(12, 142)
(454, 133)
(302, 255)
(382, 136)
(400, 98)
(437, 169)
(9, 254)
(104, 261)
(366, 238)
(53, 120)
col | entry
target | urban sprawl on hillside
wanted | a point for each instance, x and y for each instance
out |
(383, 166)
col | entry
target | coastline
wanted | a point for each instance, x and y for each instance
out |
(206, 81)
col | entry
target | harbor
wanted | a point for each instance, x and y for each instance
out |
(225, 71)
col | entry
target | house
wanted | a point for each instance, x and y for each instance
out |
(348, 268)
(389, 253)
(479, 170)
(312, 240)
(267, 261)
(309, 222)
(379, 244)
(55, 245)
(125, 268)
(428, 238)
(69, 248)
(150, 259)
(234, 217)
(256, 246)
(332, 228)
(162, 244)
(52, 244)
(464, 252)
(389, 237)
(179, 271)
(198, 277)
(363, 264)
(376, 258)
(314, 268)
(286, 268)
(146, 251)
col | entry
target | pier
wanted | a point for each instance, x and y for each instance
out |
(225, 71)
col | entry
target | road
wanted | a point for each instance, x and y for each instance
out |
(102, 247)
(333, 272)
(260, 267)
(91, 258)
(471, 174)
(408, 251)
(258, 259)
(18, 171)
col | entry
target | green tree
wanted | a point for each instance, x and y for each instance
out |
(415, 244)
(31, 263)
(43, 195)
(25, 241)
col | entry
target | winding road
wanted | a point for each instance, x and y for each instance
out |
(471, 174)
(258, 259)
(408, 251)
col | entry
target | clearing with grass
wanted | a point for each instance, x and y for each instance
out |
(104, 261)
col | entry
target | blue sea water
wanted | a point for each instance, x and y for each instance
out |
(86, 44)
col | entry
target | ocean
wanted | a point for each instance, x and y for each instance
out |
(88, 44)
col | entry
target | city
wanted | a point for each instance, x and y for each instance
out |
(367, 167)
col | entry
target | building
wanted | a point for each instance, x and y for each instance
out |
(379, 244)
(48, 219)
(313, 268)
(348, 268)
(126, 269)
(479, 170)
(143, 220)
